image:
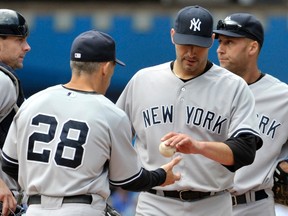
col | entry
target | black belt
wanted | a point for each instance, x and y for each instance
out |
(185, 195)
(85, 199)
(241, 199)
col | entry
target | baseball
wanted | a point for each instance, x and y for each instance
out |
(166, 151)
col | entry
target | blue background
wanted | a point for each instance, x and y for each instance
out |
(48, 62)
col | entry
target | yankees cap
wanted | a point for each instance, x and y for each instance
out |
(194, 26)
(241, 25)
(94, 46)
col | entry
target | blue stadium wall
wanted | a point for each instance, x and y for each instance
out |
(48, 62)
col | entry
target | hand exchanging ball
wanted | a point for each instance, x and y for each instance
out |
(166, 151)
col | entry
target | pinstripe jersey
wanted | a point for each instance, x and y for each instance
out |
(62, 149)
(214, 106)
(271, 97)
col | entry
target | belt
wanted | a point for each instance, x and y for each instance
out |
(85, 199)
(241, 199)
(184, 195)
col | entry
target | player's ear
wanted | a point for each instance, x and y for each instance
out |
(102, 68)
(213, 36)
(108, 67)
(213, 39)
(253, 47)
(172, 32)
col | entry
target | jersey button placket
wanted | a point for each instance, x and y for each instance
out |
(183, 89)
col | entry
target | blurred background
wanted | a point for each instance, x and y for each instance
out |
(141, 30)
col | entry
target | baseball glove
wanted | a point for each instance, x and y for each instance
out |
(110, 211)
(280, 187)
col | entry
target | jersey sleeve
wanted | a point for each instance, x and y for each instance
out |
(124, 166)
(124, 163)
(244, 138)
(243, 113)
(145, 180)
(243, 143)
(8, 94)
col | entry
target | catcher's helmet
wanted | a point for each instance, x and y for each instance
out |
(12, 23)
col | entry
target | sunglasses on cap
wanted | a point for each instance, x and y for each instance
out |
(231, 25)
(235, 27)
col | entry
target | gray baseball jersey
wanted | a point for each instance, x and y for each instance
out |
(7, 88)
(271, 97)
(7, 101)
(62, 153)
(214, 106)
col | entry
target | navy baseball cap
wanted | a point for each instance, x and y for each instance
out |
(94, 46)
(194, 26)
(241, 25)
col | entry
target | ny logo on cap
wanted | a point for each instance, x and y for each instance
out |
(196, 24)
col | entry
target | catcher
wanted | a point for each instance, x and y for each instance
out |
(280, 188)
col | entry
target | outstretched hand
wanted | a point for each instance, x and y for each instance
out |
(171, 177)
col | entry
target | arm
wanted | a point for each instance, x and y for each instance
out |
(145, 180)
(244, 147)
(217, 151)
(10, 166)
(233, 153)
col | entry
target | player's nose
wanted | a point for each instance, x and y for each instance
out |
(191, 50)
(219, 49)
(27, 47)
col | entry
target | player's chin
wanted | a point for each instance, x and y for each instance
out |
(223, 63)
(19, 65)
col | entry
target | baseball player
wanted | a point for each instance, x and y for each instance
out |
(13, 48)
(241, 37)
(211, 112)
(67, 141)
